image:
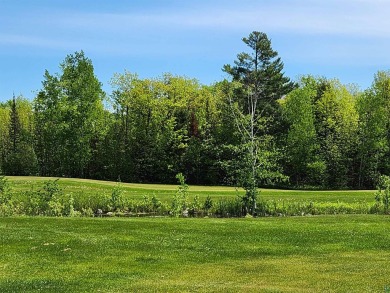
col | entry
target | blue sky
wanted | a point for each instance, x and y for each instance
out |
(344, 39)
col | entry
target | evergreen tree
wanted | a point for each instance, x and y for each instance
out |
(261, 82)
(20, 158)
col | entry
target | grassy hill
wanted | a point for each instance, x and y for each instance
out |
(165, 192)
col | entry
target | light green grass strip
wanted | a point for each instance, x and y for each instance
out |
(85, 187)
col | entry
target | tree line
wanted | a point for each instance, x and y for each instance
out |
(315, 133)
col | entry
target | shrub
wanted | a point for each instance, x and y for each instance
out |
(195, 207)
(55, 207)
(156, 204)
(31, 205)
(87, 212)
(5, 190)
(117, 202)
(6, 210)
(208, 204)
(179, 202)
(48, 198)
(146, 204)
(382, 196)
(50, 189)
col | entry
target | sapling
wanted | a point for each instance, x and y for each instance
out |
(179, 202)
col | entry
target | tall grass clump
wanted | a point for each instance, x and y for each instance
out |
(229, 208)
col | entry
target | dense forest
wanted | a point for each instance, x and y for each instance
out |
(315, 133)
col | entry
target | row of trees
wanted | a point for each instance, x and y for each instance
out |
(257, 129)
(338, 136)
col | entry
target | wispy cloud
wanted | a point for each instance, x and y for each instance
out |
(34, 41)
(349, 17)
(110, 31)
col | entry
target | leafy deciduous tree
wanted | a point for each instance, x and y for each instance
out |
(69, 112)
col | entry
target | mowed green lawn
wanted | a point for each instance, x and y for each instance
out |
(348, 253)
(86, 187)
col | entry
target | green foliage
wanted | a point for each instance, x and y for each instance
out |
(48, 200)
(316, 173)
(50, 189)
(260, 73)
(337, 129)
(255, 131)
(4, 133)
(69, 198)
(382, 196)
(69, 119)
(373, 148)
(55, 207)
(302, 137)
(156, 204)
(5, 187)
(195, 206)
(229, 208)
(31, 205)
(6, 204)
(261, 70)
(18, 152)
(322, 135)
(21, 162)
(117, 202)
(208, 204)
(179, 201)
(283, 208)
(147, 207)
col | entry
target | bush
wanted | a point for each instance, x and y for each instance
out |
(179, 202)
(54, 207)
(156, 204)
(382, 196)
(208, 204)
(6, 204)
(5, 190)
(117, 202)
(195, 207)
(31, 205)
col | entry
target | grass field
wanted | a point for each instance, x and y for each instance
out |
(293, 254)
(88, 187)
(339, 253)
